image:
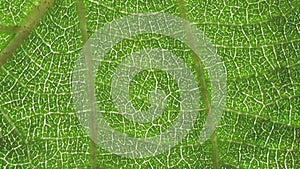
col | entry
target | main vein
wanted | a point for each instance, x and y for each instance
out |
(25, 29)
(90, 81)
(203, 88)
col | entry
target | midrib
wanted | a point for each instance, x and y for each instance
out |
(203, 88)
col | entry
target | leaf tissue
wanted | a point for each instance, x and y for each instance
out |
(248, 54)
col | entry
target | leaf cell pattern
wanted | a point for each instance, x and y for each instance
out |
(259, 41)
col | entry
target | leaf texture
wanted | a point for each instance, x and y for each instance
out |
(259, 42)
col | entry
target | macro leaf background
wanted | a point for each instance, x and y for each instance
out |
(259, 42)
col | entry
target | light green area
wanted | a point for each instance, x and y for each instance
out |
(12, 12)
(258, 41)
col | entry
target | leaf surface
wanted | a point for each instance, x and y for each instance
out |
(259, 43)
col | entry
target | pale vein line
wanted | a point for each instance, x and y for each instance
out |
(258, 146)
(272, 18)
(257, 46)
(265, 73)
(18, 132)
(204, 92)
(260, 117)
(90, 81)
(127, 13)
(25, 29)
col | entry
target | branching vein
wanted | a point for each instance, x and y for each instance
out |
(25, 29)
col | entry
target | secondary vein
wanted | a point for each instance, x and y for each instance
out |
(25, 29)
(90, 81)
(18, 132)
(203, 88)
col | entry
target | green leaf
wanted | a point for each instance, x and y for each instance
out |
(259, 42)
